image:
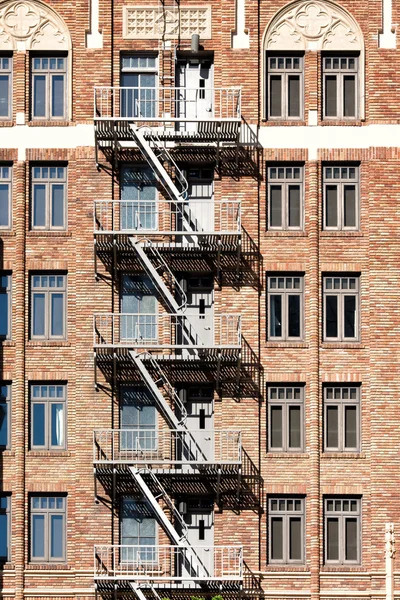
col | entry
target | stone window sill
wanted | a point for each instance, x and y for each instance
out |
(53, 233)
(49, 453)
(341, 233)
(343, 345)
(343, 455)
(50, 343)
(47, 567)
(285, 345)
(276, 233)
(286, 455)
(51, 123)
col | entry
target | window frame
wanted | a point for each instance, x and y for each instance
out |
(9, 71)
(48, 182)
(7, 181)
(341, 403)
(285, 403)
(341, 515)
(140, 71)
(48, 85)
(154, 326)
(46, 290)
(48, 512)
(285, 292)
(340, 85)
(136, 500)
(7, 402)
(340, 293)
(7, 512)
(7, 292)
(285, 183)
(48, 402)
(154, 439)
(341, 182)
(270, 71)
(286, 516)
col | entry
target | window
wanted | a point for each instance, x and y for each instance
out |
(285, 197)
(5, 197)
(285, 87)
(48, 528)
(5, 527)
(48, 305)
(285, 418)
(342, 530)
(286, 530)
(341, 416)
(340, 87)
(49, 84)
(139, 76)
(138, 208)
(341, 197)
(5, 87)
(49, 186)
(5, 414)
(341, 299)
(139, 301)
(48, 416)
(138, 528)
(285, 307)
(138, 419)
(5, 306)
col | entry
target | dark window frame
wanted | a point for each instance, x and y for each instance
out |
(285, 292)
(341, 397)
(49, 175)
(279, 396)
(283, 177)
(341, 515)
(6, 182)
(48, 401)
(47, 291)
(6, 290)
(273, 70)
(286, 514)
(7, 512)
(341, 293)
(5, 71)
(334, 176)
(48, 513)
(340, 74)
(48, 74)
(6, 400)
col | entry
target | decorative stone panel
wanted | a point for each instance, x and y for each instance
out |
(149, 22)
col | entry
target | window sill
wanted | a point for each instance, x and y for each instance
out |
(340, 123)
(6, 233)
(285, 233)
(7, 344)
(49, 453)
(7, 452)
(285, 455)
(343, 455)
(284, 568)
(63, 123)
(49, 233)
(343, 345)
(7, 566)
(50, 343)
(47, 567)
(7, 123)
(283, 123)
(285, 345)
(341, 233)
(340, 568)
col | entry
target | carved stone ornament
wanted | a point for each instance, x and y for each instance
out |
(389, 540)
(314, 25)
(150, 22)
(31, 26)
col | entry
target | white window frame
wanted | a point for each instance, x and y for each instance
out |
(128, 497)
(341, 73)
(48, 402)
(331, 179)
(7, 71)
(155, 438)
(48, 512)
(6, 180)
(285, 177)
(144, 70)
(42, 175)
(286, 514)
(340, 293)
(279, 395)
(284, 73)
(141, 276)
(341, 515)
(285, 292)
(47, 291)
(47, 72)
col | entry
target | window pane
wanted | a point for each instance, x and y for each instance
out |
(4, 316)
(332, 541)
(294, 426)
(276, 427)
(331, 206)
(4, 95)
(332, 430)
(349, 208)
(294, 316)
(350, 427)
(4, 205)
(3, 424)
(38, 424)
(39, 205)
(275, 303)
(276, 539)
(349, 96)
(57, 535)
(294, 206)
(57, 314)
(349, 316)
(38, 314)
(295, 539)
(351, 539)
(294, 96)
(331, 322)
(3, 537)
(38, 536)
(275, 92)
(39, 95)
(57, 96)
(57, 424)
(275, 215)
(57, 205)
(330, 96)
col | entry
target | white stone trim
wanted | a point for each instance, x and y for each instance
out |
(240, 36)
(147, 22)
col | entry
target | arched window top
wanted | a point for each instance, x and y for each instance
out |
(32, 25)
(313, 25)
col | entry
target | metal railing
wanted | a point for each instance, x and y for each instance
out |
(172, 447)
(168, 563)
(164, 217)
(167, 103)
(169, 331)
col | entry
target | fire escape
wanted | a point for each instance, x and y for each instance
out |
(163, 238)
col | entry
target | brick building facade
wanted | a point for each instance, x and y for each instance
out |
(199, 298)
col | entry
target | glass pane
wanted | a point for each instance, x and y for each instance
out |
(276, 539)
(39, 205)
(349, 316)
(332, 427)
(351, 539)
(294, 316)
(57, 205)
(38, 536)
(332, 539)
(349, 96)
(295, 539)
(3, 537)
(57, 96)
(294, 427)
(294, 206)
(294, 96)
(57, 536)
(4, 316)
(4, 95)
(331, 321)
(330, 96)
(276, 427)
(350, 427)
(4, 205)
(349, 208)
(57, 425)
(38, 314)
(57, 314)
(3, 424)
(275, 215)
(39, 96)
(38, 424)
(275, 96)
(331, 206)
(275, 303)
